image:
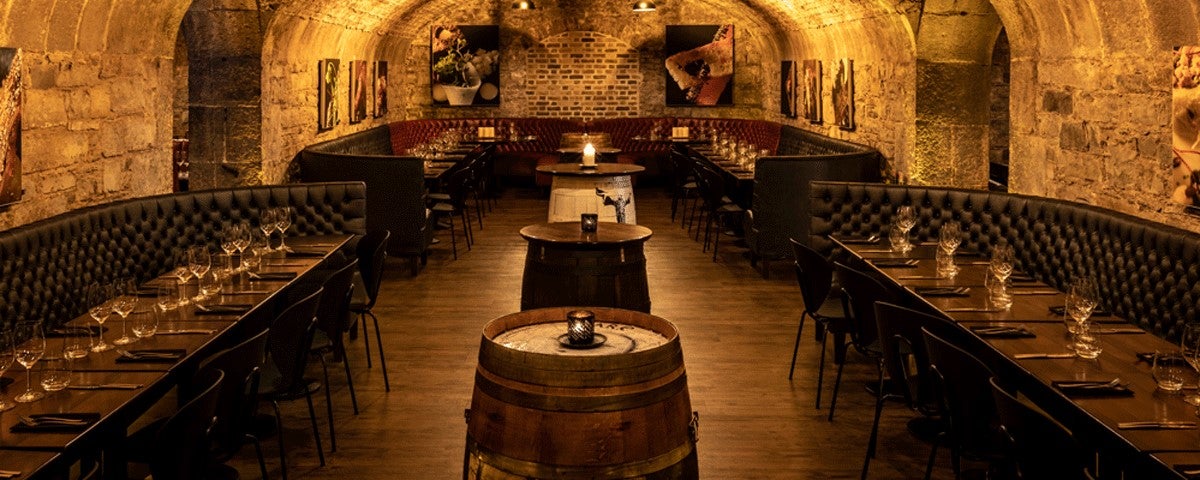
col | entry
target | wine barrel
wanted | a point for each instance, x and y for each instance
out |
(565, 266)
(544, 409)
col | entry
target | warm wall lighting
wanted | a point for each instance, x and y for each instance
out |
(645, 6)
(524, 5)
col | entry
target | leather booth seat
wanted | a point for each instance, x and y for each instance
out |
(46, 266)
(1146, 272)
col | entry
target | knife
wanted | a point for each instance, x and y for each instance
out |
(1027, 356)
(186, 332)
(974, 310)
(1035, 292)
(1155, 425)
(106, 386)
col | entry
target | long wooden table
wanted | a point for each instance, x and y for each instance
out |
(1093, 420)
(45, 453)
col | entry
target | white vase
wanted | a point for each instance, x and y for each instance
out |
(460, 95)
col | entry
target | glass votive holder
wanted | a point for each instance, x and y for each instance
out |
(588, 221)
(581, 327)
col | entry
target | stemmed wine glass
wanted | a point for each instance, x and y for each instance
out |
(283, 220)
(906, 219)
(123, 304)
(199, 262)
(7, 357)
(229, 243)
(182, 273)
(266, 223)
(1081, 301)
(1189, 348)
(98, 298)
(949, 238)
(242, 237)
(27, 354)
(1001, 267)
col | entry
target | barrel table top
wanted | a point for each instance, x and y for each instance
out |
(611, 339)
(600, 170)
(570, 233)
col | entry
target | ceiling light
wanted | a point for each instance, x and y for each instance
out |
(524, 5)
(644, 6)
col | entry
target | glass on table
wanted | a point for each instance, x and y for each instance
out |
(199, 263)
(283, 221)
(56, 373)
(998, 295)
(1086, 343)
(145, 324)
(77, 343)
(898, 239)
(1189, 349)
(1081, 301)
(1168, 370)
(266, 223)
(123, 304)
(99, 296)
(30, 346)
(7, 358)
(210, 286)
(906, 218)
(166, 293)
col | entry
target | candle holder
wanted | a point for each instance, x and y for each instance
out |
(581, 327)
(588, 221)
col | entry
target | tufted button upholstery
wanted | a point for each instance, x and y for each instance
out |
(45, 266)
(1147, 272)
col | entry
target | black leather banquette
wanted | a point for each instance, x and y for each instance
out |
(46, 266)
(781, 187)
(395, 185)
(1147, 272)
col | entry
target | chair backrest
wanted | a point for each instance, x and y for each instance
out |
(681, 168)
(814, 275)
(238, 401)
(861, 292)
(904, 354)
(333, 311)
(963, 382)
(290, 339)
(711, 184)
(181, 447)
(1042, 447)
(372, 253)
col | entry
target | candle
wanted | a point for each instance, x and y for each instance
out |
(589, 155)
(588, 221)
(679, 132)
(581, 325)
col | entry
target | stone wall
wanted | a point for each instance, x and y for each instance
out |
(583, 75)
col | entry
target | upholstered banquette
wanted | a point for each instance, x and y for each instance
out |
(45, 266)
(395, 186)
(781, 187)
(1147, 272)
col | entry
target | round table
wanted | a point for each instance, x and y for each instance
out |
(565, 266)
(577, 190)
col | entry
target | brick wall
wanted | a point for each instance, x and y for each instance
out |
(583, 75)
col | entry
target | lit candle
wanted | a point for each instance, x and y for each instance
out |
(581, 325)
(589, 155)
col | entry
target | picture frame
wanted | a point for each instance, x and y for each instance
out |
(12, 98)
(843, 94)
(327, 81)
(812, 95)
(464, 65)
(699, 65)
(787, 89)
(379, 81)
(360, 90)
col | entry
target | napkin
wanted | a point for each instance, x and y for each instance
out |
(73, 331)
(888, 263)
(1074, 388)
(176, 354)
(943, 291)
(1002, 332)
(1062, 310)
(273, 275)
(1148, 357)
(223, 309)
(90, 418)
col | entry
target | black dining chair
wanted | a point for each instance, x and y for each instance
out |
(683, 183)
(859, 329)
(372, 257)
(333, 321)
(963, 383)
(458, 188)
(815, 278)
(237, 405)
(288, 343)
(1042, 448)
(180, 450)
(716, 207)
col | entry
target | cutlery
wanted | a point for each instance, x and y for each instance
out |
(1194, 471)
(146, 355)
(973, 310)
(1034, 292)
(919, 277)
(997, 330)
(106, 386)
(247, 292)
(874, 250)
(1110, 384)
(974, 262)
(1156, 425)
(186, 332)
(1027, 356)
(41, 421)
(1119, 330)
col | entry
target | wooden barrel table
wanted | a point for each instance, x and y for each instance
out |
(544, 408)
(565, 266)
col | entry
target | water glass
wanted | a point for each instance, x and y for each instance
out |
(77, 343)
(1189, 349)
(945, 264)
(98, 298)
(1082, 299)
(998, 294)
(125, 302)
(1169, 371)
(145, 324)
(1086, 343)
(56, 373)
(898, 239)
(906, 218)
(7, 358)
(210, 286)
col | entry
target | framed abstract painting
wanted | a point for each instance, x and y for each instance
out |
(811, 73)
(787, 89)
(327, 81)
(699, 65)
(360, 89)
(380, 81)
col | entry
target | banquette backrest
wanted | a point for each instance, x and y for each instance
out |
(798, 141)
(1147, 272)
(46, 266)
(372, 141)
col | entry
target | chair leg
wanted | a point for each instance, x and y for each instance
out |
(674, 203)
(837, 383)
(874, 425)
(717, 238)
(453, 240)
(329, 405)
(821, 368)
(350, 383)
(387, 387)
(262, 461)
(796, 348)
(933, 455)
(312, 415)
(279, 435)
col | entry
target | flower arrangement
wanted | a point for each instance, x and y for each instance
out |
(457, 65)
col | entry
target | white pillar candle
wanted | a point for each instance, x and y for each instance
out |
(589, 155)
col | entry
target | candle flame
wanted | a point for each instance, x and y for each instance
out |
(589, 149)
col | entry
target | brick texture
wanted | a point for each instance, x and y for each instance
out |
(583, 75)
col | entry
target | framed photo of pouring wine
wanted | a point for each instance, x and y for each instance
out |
(699, 65)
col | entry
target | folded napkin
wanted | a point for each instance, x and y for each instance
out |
(307, 253)
(73, 331)
(1075, 388)
(1002, 332)
(155, 355)
(52, 427)
(1062, 310)
(273, 275)
(897, 263)
(943, 291)
(223, 309)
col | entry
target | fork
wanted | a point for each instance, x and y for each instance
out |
(35, 422)
(140, 355)
(1114, 382)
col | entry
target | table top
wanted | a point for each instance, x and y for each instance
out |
(611, 339)
(603, 169)
(1032, 300)
(607, 233)
(27, 461)
(730, 167)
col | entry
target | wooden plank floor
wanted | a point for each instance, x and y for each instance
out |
(736, 329)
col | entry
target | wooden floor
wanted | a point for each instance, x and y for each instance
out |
(736, 328)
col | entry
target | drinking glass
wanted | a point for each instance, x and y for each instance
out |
(242, 236)
(897, 240)
(7, 358)
(98, 297)
(283, 220)
(1002, 261)
(210, 286)
(182, 273)
(1189, 348)
(1086, 343)
(56, 373)
(165, 295)
(998, 295)
(123, 304)
(949, 238)
(1081, 300)
(1168, 371)
(906, 219)
(199, 263)
(30, 349)
(266, 223)
(229, 241)
(77, 344)
(145, 324)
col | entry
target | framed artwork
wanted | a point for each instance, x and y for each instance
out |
(843, 94)
(380, 82)
(12, 95)
(464, 65)
(787, 88)
(327, 107)
(1185, 128)
(811, 72)
(699, 65)
(360, 89)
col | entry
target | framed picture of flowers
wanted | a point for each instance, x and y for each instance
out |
(327, 80)
(699, 65)
(464, 64)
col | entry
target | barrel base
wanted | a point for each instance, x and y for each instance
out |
(480, 464)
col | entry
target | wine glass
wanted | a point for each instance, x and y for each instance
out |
(242, 236)
(7, 358)
(98, 297)
(1081, 300)
(1001, 267)
(906, 219)
(266, 223)
(27, 353)
(949, 238)
(229, 242)
(123, 304)
(283, 220)
(199, 263)
(1189, 348)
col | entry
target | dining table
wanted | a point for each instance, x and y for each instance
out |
(110, 390)
(1127, 427)
(739, 181)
